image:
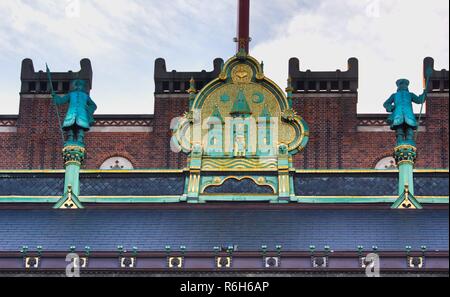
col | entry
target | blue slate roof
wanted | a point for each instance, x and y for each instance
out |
(172, 184)
(368, 184)
(31, 184)
(201, 229)
(51, 184)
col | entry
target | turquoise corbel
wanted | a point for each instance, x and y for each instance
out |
(405, 156)
(69, 201)
(74, 156)
(406, 201)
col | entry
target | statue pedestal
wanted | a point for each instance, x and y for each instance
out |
(74, 156)
(405, 156)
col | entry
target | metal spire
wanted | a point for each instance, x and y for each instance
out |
(243, 31)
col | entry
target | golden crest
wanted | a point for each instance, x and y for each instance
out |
(253, 117)
(242, 74)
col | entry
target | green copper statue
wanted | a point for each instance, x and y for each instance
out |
(80, 114)
(402, 118)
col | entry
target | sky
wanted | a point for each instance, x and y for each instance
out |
(122, 38)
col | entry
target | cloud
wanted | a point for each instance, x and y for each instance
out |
(121, 37)
(94, 28)
(124, 37)
(389, 37)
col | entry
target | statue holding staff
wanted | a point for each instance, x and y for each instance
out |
(402, 118)
(80, 114)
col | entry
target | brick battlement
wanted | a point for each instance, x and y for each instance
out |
(37, 82)
(324, 81)
(339, 137)
(439, 81)
(178, 82)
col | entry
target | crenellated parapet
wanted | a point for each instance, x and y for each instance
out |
(174, 82)
(324, 81)
(37, 82)
(439, 80)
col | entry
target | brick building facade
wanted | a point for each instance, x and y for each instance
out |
(340, 138)
(240, 211)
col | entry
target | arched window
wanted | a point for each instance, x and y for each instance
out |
(117, 163)
(386, 163)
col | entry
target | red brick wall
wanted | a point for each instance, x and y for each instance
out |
(330, 120)
(334, 140)
(166, 109)
(434, 145)
(37, 143)
(336, 143)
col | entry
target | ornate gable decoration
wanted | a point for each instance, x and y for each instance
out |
(241, 114)
(240, 122)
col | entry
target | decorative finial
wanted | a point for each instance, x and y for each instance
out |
(192, 89)
(289, 88)
(242, 54)
(408, 249)
(360, 249)
(39, 249)
(24, 250)
(135, 251)
(289, 91)
(87, 251)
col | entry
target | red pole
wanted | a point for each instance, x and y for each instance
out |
(243, 38)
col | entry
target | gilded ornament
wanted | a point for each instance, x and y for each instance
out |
(289, 115)
(241, 74)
